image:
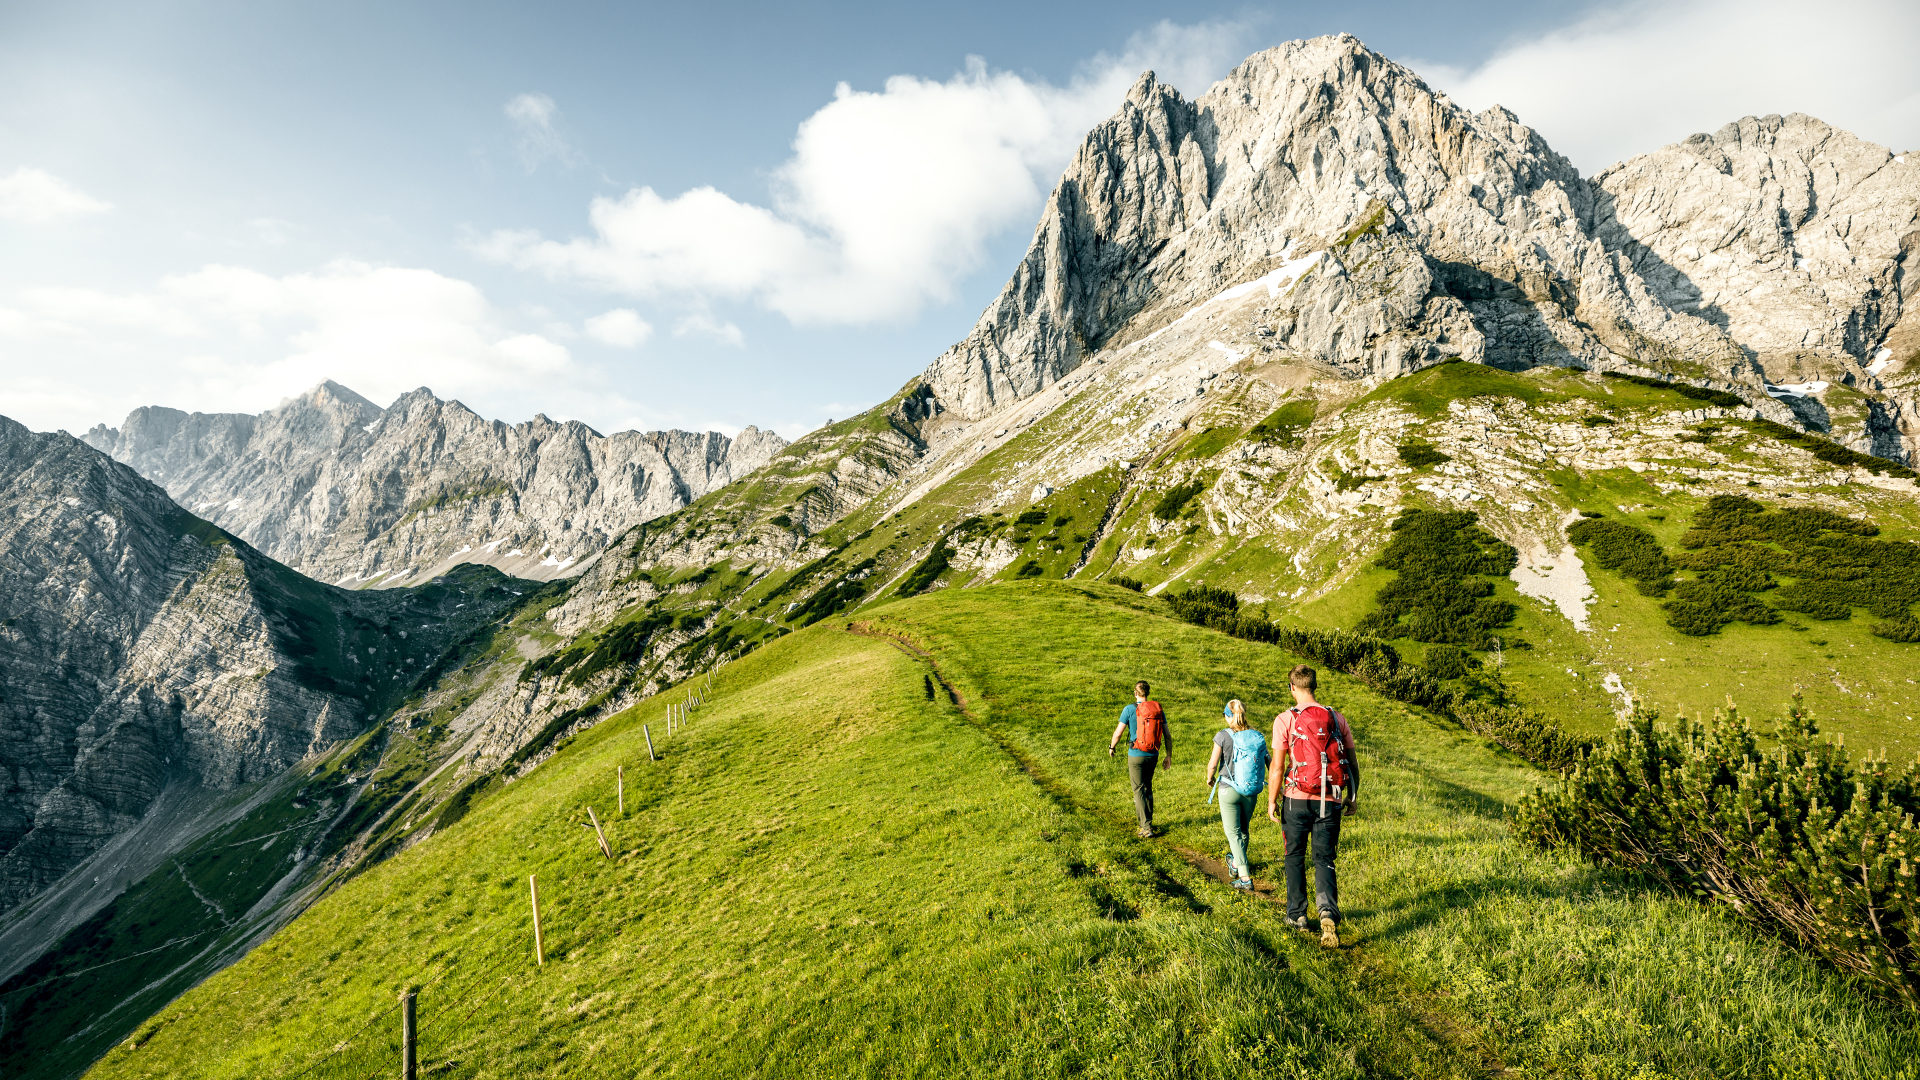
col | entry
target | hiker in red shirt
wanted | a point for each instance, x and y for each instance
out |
(1144, 724)
(1322, 780)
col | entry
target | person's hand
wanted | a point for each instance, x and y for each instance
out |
(1166, 763)
(1109, 749)
(1273, 814)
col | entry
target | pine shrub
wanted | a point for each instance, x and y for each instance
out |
(1694, 393)
(1376, 663)
(1422, 455)
(1795, 839)
(1833, 564)
(1176, 499)
(1441, 593)
(1632, 553)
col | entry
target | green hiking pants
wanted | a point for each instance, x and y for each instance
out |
(1236, 817)
(1140, 771)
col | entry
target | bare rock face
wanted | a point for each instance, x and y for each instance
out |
(347, 492)
(141, 647)
(1392, 230)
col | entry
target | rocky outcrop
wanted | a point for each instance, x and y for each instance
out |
(347, 492)
(1393, 229)
(141, 647)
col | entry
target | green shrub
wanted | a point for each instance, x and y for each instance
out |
(1032, 517)
(1374, 662)
(1832, 562)
(1795, 838)
(1347, 481)
(929, 570)
(1029, 568)
(1448, 661)
(834, 597)
(1597, 420)
(1176, 499)
(1441, 593)
(1694, 393)
(1630, 552)
(781, 521)
(1897, 630)
(1126, 582)
(1829, 451)
(1422, 455)
(1283, 426)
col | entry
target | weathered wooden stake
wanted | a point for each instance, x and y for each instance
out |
(651, 756)
(406, 1036)
(601, 833)
(620, 786)
(539, 950)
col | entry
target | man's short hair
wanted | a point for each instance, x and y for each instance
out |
(1303, 678)
(1142, 688)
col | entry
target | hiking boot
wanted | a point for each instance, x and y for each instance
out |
(1243, 884)
(1329, 936)
(1144, 832)
(1300, 924)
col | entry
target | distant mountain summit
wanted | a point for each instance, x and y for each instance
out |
(1767, 258)
(344, 491)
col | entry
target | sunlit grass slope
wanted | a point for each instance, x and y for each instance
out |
(836, 871)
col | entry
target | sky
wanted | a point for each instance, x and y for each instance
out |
(648, 216)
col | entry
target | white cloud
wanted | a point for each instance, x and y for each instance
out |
(250, 338)
(621, 327)
(536, 120)
(704, 325)
(1632, 78)
(888, 201)
(35, 196)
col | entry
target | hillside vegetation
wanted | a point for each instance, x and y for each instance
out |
(900, 849)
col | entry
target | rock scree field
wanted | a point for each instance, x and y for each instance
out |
(895, 846)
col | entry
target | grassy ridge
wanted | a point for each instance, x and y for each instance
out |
(835, 871)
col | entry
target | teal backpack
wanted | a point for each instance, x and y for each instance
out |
(1248, 774)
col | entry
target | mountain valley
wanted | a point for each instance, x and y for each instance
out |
(1257, 334)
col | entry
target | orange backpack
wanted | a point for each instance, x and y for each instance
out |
(1149, 724)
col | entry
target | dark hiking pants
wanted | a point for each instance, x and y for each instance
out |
(1300, 820)
(1140, 771)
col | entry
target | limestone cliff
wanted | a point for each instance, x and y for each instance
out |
(141, 647)
(347, 492)
(1393, 229)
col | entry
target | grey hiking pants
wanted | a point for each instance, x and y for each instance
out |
(1140, 771)
(1300, 819)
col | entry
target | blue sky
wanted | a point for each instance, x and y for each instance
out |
(687, 215)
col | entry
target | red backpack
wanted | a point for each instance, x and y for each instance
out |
(1317, 752)
(1149, 724)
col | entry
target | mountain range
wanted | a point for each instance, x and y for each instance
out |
(345, 491)
(1252, 330)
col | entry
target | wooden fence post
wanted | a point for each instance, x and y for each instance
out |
(601, 833)
(620, 786)
(407, 1055)
(651, 756)
(539, 950)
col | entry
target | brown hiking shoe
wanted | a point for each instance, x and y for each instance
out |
(1329, 936)
(1144, 832)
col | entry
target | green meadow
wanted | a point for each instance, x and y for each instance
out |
(896, 847)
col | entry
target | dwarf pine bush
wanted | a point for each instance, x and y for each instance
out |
(1796, 838)
(1524, 731)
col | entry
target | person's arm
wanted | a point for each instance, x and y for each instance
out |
(1353, 761)
(1213, 764)
(1278, 753)
(1166, 742)
(1118, 734)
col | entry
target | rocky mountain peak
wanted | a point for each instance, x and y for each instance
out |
(351, 493)
(1394, 229)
